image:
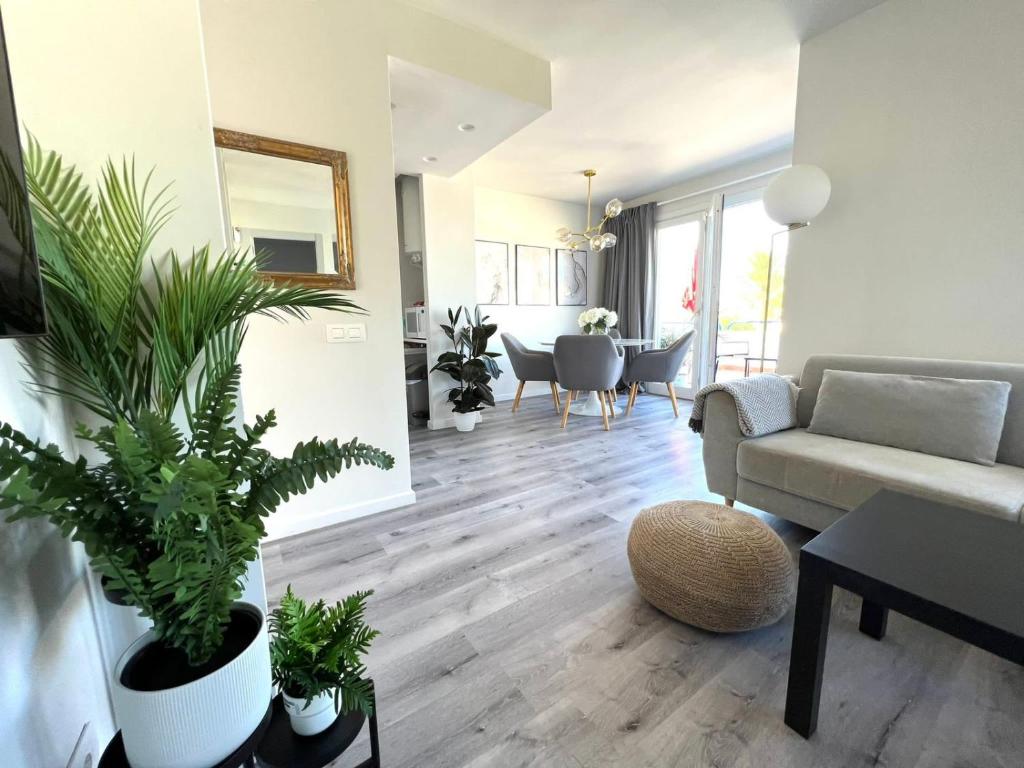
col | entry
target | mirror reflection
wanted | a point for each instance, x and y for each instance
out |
(282, 209)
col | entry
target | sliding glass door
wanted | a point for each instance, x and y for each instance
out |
(711, 276)
(678, 294)
(746, 241)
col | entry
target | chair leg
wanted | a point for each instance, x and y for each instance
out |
(672, 394)
(568, 402)
(554, 396)
(729, 502)
(604, 409)
(631, 397)
(519, 394)
(611, 402)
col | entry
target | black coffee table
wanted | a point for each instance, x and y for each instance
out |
(958, 571)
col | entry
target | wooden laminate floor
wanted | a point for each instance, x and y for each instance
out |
(513, 634)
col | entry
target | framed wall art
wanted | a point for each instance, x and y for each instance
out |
(492, 283)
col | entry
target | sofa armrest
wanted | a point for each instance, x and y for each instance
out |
(722, 437)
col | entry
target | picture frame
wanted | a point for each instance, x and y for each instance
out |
(571, 272)
(533, 275)
(492, 273)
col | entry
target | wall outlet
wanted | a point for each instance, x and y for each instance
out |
(345, 333)
(86, 751)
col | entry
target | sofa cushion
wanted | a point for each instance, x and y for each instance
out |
(846, 473)
(1011, 446)
(956, 418)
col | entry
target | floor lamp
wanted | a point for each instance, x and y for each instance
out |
(793, 199)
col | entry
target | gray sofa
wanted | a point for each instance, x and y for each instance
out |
(813, 479)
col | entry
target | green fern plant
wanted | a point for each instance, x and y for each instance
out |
(316, 649)
(170, 516)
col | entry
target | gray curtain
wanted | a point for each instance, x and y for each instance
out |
(629, 274)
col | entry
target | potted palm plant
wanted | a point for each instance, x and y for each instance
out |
(172, 511)
(316, 656)
(469, 364)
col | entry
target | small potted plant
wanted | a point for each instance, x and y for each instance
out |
(315, 655)
(597, 320)
(470, 365)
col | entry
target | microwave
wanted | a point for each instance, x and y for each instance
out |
(416, 322)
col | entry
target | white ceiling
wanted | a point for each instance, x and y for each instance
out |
(427, 109)
(649, 92)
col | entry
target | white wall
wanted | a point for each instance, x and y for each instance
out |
(317, 73)
(449, 275)
(915, 109)
(527, 220)
(52, 679)
(278, 70)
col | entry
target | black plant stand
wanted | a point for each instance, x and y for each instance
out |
(281, 747)
(114, 756)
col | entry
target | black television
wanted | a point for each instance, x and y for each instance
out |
(21, 291)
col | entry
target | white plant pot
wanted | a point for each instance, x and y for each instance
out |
(198, 724)
(313, 719)
(464, 422)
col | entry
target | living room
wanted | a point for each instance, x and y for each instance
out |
(802, 197)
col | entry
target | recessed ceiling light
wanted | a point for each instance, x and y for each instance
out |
(429, 159)
(466, 127)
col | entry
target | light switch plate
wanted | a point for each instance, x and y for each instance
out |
(347, 333)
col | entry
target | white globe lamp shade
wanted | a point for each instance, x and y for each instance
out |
(797, 195)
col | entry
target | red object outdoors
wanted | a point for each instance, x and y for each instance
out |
(690, 294)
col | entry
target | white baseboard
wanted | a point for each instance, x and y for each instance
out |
(296, 524)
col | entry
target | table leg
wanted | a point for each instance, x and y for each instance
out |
(810, 636)
(873, 619)
(374, 742)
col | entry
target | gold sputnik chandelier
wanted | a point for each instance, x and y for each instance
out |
(593, 237)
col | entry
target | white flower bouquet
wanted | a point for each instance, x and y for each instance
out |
(597, 320)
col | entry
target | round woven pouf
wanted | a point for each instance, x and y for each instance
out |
(711, 566)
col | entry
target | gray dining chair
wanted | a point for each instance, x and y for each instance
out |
(588, 363)
(530, 365)
(658, 365)
(614, 334)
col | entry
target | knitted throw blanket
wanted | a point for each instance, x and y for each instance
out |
(765, 403)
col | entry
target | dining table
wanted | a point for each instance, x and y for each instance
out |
(590, 405)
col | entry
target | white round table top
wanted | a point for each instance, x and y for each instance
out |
(618, 342)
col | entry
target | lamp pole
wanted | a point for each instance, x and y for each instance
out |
(768, 288)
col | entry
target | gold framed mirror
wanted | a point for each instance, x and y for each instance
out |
(290, 203)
